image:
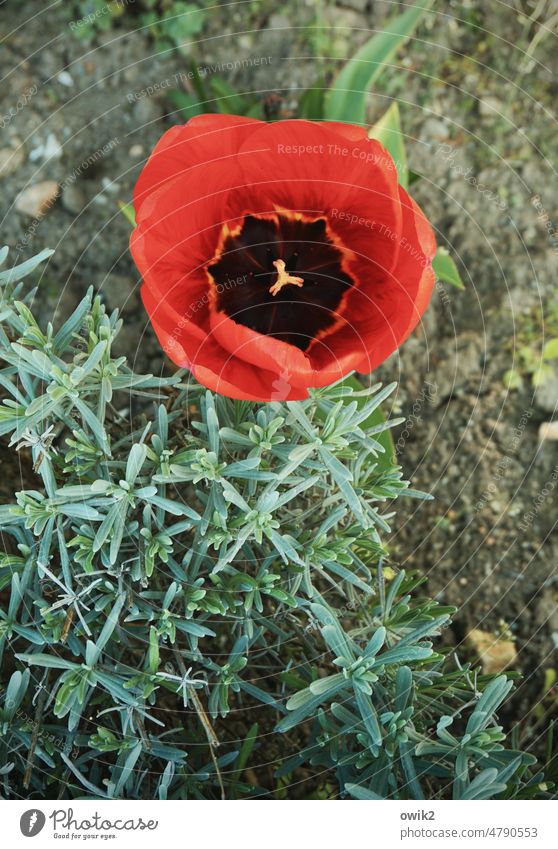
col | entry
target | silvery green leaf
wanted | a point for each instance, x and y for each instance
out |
(285, 547)
(309, 703)
(128, 767)
(30, 634)
(16, 596)
(242, 468)
(369, 716)
(406, 751)
(96, 791)
(416, 493)
(98, 486)
(47, 660)
(194, 628)
(347, 575)
(485, 785)
(375, 643)
(233, 495)
(115, 688)
(10, 387)
(105, 528)
(72, 325)
(404, 654)
(362, 793)
(91, 653)
(176, 508)
(316, 688)
(295, 491)
(337, 643)
(37, 363)
(491, 699)
(261, 695)
(92, 360)
(296, 457)
(80, 491)
(110, 623)
(427, 629)
(15, 691)
(328, 619)
(18, 272)
(118, 528)
(403, 687)
(80, 511)
(136, 459)
(212, 423)
(90, 419)
(146, 492)
(297, 412)
(227, 434)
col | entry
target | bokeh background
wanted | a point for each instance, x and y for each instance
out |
(89, 87)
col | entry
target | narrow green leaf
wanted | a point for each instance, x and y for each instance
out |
(362, 793)
(18, 272)
(388, 132)
(376, 418)
(187, 105)
(128, 211)
(369, 716)
(346, 99)
(445, 269)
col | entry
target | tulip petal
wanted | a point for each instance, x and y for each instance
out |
(200, 184)
(203, 139)
(312, 168)
(215, 367)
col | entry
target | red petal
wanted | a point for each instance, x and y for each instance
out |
(177, 233)
(321, 169)
(261, 350)
(205, 138)
(314, 168)
(212, 365)
(352, 132)
(184, 292)
(400, 305)
(379, 316)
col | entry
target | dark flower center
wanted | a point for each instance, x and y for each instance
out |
(281, 276)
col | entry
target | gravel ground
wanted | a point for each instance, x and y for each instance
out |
(476, 87)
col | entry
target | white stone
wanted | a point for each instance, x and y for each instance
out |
(51, 149)
(65, 79)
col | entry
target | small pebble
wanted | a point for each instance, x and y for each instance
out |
(10, 160)
(36, 200)
(495, 653)
(109, 186)
(73, 199)
(51, 149)
(136, 150)
(548, 431)
(65, 79)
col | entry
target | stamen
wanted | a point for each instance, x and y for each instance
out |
(283, 278)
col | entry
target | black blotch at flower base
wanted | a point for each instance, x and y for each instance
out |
(244, 273)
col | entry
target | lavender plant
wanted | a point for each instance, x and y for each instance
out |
(194, 587)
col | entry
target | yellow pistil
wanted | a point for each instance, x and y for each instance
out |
(283, 278)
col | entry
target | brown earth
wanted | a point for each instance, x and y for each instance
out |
(478, 114)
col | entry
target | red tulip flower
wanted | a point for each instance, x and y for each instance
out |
(278, 257)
